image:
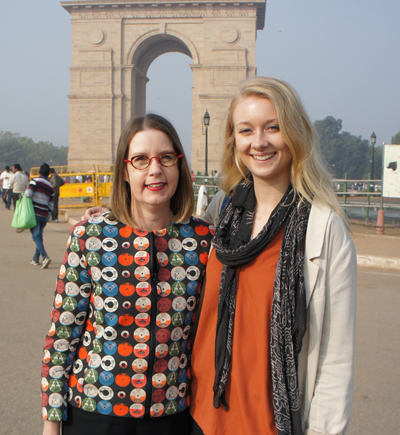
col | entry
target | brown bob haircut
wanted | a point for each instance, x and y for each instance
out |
(182, 203)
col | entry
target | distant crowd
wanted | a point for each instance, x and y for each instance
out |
(14, 182)
(44, 192)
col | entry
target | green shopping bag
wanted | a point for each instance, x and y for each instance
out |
(24, 214)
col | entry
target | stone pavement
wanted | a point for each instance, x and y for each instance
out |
(376, 251)
(26, 294)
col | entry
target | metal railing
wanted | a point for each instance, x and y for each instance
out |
(85, 185)
(350, 192)
(95, 189)
(371, 190)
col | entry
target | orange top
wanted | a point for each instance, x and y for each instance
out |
(249, 387)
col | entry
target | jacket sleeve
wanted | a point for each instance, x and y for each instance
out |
(60, 181)
(68, 321)
(51, 202)
(30, 190)
(331, 404)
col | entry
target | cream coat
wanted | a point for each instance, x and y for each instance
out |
(326, 360)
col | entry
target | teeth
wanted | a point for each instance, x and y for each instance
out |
(156, 185)
(262, 158)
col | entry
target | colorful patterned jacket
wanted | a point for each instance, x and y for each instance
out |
(124, 304)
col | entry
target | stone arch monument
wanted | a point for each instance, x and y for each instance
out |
(115, 41)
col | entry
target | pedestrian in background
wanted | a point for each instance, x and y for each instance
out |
(6, 192)
(56, 181)
(19, 183)
(42, 193)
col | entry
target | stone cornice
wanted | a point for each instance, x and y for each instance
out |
(118, 9)
(217, 96)
(95, 96)
(124, 3)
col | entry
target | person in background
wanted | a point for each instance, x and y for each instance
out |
(117, 355)
(42, 193)
(56, 181)
(274, 350)
(19, 183)
(6, 192)
(215, 208)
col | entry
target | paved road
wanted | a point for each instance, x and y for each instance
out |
(377, 381)
(26, 294)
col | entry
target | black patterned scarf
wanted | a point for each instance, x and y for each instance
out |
(234, 247)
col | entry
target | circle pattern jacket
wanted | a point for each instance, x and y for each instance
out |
(124, 305)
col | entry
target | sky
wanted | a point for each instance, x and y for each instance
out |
(342, 57)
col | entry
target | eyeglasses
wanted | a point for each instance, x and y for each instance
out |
(143, 162)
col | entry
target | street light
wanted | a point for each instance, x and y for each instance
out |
(380, 223)
(206, 124)
(373, 142)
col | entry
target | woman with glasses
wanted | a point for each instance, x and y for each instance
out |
(117, 355)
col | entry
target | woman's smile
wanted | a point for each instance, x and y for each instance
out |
(155, 187)
(263, 158)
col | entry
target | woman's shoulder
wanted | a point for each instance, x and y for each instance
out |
(95, 224)
(326, 225)
(323, 215)
(199, 226)
(199, 222)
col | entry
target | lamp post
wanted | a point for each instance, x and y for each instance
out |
(206, 124)
(380, 224)
(373, 142)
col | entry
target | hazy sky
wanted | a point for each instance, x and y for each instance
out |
(342, 56)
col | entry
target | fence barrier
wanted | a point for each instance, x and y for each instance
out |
(90, 185)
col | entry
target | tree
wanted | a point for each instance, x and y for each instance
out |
(396, 139)
(26, 152)
(343, 151)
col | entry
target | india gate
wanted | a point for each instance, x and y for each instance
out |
(115, 41)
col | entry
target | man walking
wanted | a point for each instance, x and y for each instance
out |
(41, 192)
(6, 176)
(19, 183)
(56, 181)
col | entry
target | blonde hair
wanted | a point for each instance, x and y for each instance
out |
(309, 175)
(182, 202)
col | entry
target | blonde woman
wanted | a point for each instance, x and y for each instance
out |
(117, 355)
(275, 341)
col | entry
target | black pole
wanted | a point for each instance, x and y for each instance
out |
(372, 162)
(206, 151)
(373, 141)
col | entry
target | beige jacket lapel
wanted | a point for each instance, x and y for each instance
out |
(315, 236)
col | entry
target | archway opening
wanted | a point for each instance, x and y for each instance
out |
(169, 94)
